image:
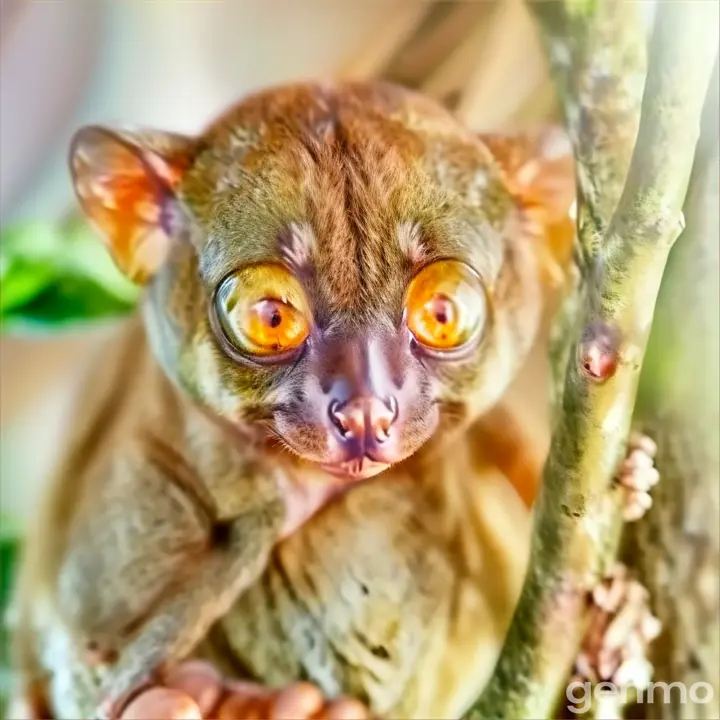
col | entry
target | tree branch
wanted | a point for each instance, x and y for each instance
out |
(676, 549)
(598, 59)
(577, 524)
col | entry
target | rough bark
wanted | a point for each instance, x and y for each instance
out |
(598, 60)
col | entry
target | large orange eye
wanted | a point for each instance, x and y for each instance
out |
(445, 305)
(262, 310)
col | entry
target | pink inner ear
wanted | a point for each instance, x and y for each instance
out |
(170, 173)
(124, 199)
(127, 212)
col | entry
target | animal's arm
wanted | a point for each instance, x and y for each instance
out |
(205, 593)
(196, 544)
(152, 555)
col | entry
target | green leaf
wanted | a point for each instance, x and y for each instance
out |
(22, 281)
(8, 555)
(9, 528)
(55, 275)
(70, 300)
(8, 560)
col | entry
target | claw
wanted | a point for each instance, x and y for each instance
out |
(638, 475)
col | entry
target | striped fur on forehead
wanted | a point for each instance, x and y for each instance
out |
(359, 193)
(361, 184)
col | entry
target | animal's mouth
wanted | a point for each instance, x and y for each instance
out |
(357, 468)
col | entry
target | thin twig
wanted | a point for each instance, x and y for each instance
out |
(577, 516)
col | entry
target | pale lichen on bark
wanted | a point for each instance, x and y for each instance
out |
(629, 217)
(598, 58)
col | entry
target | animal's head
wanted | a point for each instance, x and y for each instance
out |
(346, 266)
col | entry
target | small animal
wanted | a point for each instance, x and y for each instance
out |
(296, 458)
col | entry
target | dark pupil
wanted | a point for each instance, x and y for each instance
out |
(441, 310)
(275, 319)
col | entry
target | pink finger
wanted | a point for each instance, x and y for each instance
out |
(297, 701)
(347, 709)
(162, 704)
(200, 681)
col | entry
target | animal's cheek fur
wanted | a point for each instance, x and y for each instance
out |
(420, 424)
(476, 383)
(176, 316)
(303, 435)
(192, 359)
(213, 384)
(418, 413)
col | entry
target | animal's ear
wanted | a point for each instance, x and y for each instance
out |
(126, 184)
(539, 169)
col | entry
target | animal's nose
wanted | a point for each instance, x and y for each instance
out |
(364, 419)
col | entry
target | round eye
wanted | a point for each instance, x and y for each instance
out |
(262, 310)
(445, 305)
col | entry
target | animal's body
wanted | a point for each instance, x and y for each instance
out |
(297, 459)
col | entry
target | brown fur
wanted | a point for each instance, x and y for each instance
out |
(173, 495)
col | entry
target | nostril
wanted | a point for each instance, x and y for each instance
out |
(382, 430)
(386, 419)
(393, 407)
(337, 418)
(370, 417)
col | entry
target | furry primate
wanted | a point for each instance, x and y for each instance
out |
(341, 281)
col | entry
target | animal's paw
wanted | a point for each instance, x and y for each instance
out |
(621, 628)
(195, 691)
(638, 475)
(300, 701)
